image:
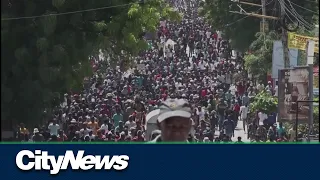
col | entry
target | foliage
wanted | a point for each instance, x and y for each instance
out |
(241, 29)
(259, 61)
(217, 14)
(45, 57)
(264, 102)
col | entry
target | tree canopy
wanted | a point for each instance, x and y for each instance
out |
(241, 29)
(244, 31)
(264, 102)
(259, 61)
(47, 53)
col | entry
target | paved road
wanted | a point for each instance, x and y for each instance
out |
(240, 132)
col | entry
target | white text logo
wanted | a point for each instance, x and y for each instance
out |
(40, 160)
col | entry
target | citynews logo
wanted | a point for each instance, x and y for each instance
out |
(41, 160)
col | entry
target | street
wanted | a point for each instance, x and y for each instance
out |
(240, 132)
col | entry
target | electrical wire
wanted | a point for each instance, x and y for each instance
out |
(305, 8)
(275, 13)
(66, 13)
(264, 35)
(229, 24)
(285, 9)
(298, 15)
(291, 12)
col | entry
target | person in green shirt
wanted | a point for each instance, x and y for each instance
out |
(139, 81)
(149, 45)
(228, 96)
(117, 117)
(212, 101)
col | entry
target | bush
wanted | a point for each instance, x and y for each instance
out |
(264, 102)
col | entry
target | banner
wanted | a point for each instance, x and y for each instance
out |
(293, 86)
(278, 58)
(156, 161)
(300, 42)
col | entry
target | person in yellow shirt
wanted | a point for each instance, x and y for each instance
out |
(93, 125)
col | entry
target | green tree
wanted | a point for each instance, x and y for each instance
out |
(259, 61)
(263, 102)
(44, 57)
(242, 29)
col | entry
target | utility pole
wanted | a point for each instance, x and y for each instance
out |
(284, 39)
(263, 25)
(243, 12)
(263, 6)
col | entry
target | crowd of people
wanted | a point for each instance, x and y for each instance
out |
(185, 60)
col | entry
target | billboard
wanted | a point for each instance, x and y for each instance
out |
(278, 58)
(294, 86)
(300, 42)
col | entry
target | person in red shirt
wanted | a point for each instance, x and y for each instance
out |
(240, 89)
(62, 136)
(158, 77)
(236, 109)
(215, 36)
(203, 93)
(104, 109)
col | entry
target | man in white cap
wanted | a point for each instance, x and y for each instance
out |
(174, 121)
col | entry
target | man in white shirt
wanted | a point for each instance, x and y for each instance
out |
(208, 34)
(163, 23)
(200, 113)
(262, 116)
(53, 128)
(201, 65)
(260, 87)
(130, 123)
(201, 33)
(244, 115)
(104, 126)
(163, 39)
(276, 90)
(292, 134)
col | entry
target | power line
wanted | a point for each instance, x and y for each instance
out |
(229, 24)
(287, 10)
(66, 13)
(305, 8)
(295, 15)
(301, 18)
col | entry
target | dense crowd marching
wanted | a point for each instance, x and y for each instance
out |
(188, 60)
